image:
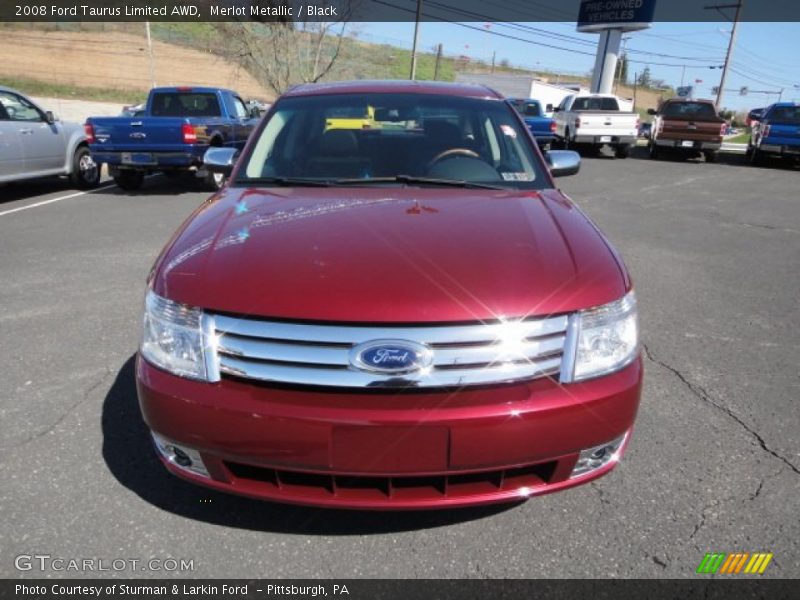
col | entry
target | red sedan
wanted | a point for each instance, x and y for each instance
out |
(399, 314)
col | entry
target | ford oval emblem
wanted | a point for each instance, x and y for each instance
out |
(391, 356)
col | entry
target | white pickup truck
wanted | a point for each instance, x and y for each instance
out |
(595, 120)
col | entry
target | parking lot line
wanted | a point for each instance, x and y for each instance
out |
(51, 200)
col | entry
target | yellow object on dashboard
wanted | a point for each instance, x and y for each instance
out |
(351, 120)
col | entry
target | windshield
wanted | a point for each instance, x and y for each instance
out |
(689, 109)
(401, 139)
(789, 115)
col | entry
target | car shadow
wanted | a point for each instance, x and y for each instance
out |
(22, 190)
(728, 159)
(154, 185)
(161, 185)
(128, 452)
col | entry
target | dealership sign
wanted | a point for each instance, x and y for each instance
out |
(627, 15)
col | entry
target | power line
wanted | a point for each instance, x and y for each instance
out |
(742, 75)
(749, 71)
(516, 38)
(661, 55)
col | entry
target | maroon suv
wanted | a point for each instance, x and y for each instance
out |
(398, 313)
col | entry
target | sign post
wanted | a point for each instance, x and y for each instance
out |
(611, 18)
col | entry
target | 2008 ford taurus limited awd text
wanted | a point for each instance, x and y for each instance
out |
(390, 306)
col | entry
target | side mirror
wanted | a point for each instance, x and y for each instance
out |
(220, 160)
(549, 108)
(555, 109)
(255, 112)
(652, 111)
(50, 117)
(563, 162)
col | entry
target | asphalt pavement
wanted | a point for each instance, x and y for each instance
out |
(713, 466)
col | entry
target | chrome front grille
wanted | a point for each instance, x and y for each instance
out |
(320, 355)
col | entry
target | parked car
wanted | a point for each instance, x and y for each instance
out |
(35, 143)
(645, 129)
(687, 128)
(133, 110)
(595, 120)
(254, 104)
(541, 126)
(775, 132)
(178, 125)
(410, 316)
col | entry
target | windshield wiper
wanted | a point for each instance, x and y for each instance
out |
(286, 181)
(410, 179)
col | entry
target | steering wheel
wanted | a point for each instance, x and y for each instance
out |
(452, 152)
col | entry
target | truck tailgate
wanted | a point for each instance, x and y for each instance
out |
(607, 123)
(129, 134)
(706, 131)
(784, 134)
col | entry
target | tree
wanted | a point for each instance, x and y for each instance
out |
(279, 54)
(645, 80)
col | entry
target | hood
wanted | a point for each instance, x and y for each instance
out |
(383, 255)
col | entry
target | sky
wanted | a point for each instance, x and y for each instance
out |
(764, 57)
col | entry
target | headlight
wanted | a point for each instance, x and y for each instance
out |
(606, 339)
(173, 337)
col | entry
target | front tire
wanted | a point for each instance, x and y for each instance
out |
(130, 181)
(85, 173)
(710, 156)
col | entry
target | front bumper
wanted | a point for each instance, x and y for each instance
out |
(599, 140)
(389, 450)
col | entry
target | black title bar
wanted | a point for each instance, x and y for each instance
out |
(396, 589)
(385, 10)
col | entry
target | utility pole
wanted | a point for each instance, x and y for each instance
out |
(494, 55)
(150, 54)
(416, 40)
(731, 43)
(438, 60)
(622, 62)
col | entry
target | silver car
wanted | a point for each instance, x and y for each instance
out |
(34, 143)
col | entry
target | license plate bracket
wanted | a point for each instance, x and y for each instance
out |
(138, 158)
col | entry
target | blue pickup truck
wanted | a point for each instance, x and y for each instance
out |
(178, 125)
(540, 125)
(775, 132)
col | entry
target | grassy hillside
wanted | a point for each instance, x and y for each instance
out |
(115, 56)
(49, 89)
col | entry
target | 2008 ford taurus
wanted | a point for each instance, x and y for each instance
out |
(393, 312)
